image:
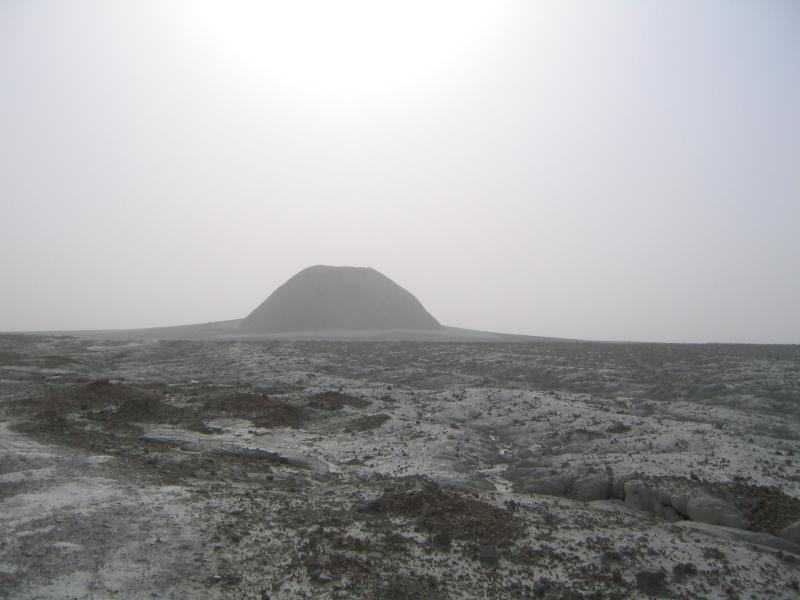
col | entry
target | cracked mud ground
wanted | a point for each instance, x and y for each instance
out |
(170, 469)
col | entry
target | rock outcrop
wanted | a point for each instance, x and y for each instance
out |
(585, 485)
(589, 485)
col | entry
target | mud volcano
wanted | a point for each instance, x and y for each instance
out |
(323, 298)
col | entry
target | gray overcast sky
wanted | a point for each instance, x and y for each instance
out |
(602, 170)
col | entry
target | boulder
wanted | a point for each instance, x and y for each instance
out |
(651, 581)
(651, 500)
(669, 514)
(618, 485)
(680, 502)
(642, 497)
(592, 487)
(714, 511)
(487, 554)
(701, 506)
(581, 484)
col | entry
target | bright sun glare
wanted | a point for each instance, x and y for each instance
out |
(344, 49)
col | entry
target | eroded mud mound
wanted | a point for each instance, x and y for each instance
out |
(104, 391)
(263, 410)
(767, 509)
(66, 411)
(144, 410)
(49, 422)
(447, 514)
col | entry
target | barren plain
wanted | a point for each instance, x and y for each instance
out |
(313, 469)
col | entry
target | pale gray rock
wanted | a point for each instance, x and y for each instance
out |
(714, 511)
(642, 497)
(555, 485)
(701, 507)
(670, 514)
(765, 540)
(592, 487)
(665, 497)
(680, 502)
(487, 554)
(618, 485)
(581, 484)
(650, 581)
(791, 533)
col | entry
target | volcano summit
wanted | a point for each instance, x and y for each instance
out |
(323, 298)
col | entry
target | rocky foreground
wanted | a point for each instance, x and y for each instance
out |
(398, 470)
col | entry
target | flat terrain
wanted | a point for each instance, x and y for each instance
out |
(280, 469)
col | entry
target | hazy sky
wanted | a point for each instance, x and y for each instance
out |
(602, 170)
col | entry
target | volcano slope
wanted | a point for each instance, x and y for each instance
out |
(325, 299)
(278, 469)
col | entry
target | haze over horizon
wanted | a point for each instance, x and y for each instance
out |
(591, 170)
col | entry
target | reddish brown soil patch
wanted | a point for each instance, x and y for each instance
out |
(333, 554)
(123, 403)
(441, 512)
(45, 361)
(100, 394)
(75, 412)
(280, 414)
(53, 361)
(260, 408)
(767, 509)
(336, 401)
(144, 410)
(10, 358)
(48, 422)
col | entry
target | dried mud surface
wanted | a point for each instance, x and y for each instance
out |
(280, 469)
